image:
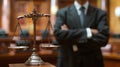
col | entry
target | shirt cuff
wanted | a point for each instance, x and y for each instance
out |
(89, 33)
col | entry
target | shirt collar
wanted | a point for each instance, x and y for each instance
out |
(78, 6)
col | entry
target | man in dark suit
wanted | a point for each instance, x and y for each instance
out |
(85, 33)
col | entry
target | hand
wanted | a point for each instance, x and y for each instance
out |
(94, 31)
(64, 27)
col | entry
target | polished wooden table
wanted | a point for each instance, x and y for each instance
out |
(111, 59)
(23, 65)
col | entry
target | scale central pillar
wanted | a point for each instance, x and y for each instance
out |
(34, 59)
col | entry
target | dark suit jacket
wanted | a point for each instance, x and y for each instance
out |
(88, 54)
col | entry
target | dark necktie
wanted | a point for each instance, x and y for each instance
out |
(82, 15)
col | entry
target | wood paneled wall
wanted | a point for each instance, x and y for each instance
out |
(0, 12)
(114, 21)
(29, 6)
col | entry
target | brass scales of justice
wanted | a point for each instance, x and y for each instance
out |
(34, 59)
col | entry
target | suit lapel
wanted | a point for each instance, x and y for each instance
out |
(74, 16)
(89, 16)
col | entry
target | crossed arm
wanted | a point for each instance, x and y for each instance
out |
(99, 37)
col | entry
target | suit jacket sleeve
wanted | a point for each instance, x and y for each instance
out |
(102, 37)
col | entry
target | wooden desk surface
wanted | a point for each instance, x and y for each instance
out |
(112, 56)
(23, 65)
